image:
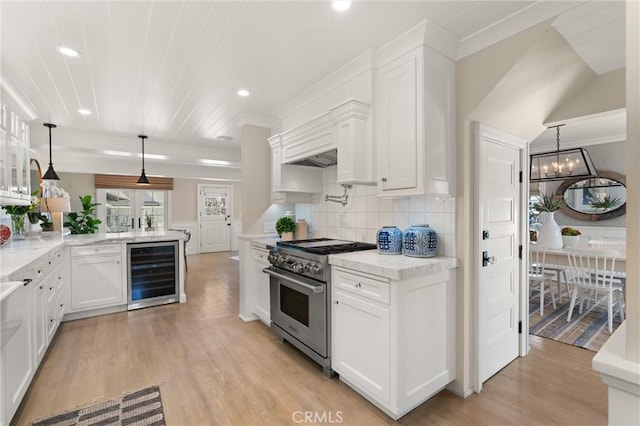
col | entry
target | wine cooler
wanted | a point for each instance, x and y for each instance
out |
(153, 274)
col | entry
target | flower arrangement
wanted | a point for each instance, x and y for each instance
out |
(570, 232)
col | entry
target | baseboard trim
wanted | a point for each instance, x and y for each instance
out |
(249, 318)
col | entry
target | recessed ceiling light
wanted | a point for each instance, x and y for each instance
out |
(224, 138)
(341, 5)
(243, 92)
(67, 51)
(84, 111)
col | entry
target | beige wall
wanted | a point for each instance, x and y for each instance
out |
(514, 86)
(633, 180)
(185, 198)
(256, 179)
(77, 184)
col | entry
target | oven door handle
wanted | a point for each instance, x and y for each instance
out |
(313, 288)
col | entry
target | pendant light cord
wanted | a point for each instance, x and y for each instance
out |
(50, 156)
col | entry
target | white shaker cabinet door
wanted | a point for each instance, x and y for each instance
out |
(96, 282)
(16, 353)
(398, 111)
(361, 347)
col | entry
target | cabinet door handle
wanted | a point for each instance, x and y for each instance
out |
(358, 285)
(336, 302)
(132, 223)
(40, 287)
(26, 281)
(117, 262)
(384, 180)
(49, 262)
(139, 223)
(50, 288)
(51, 320)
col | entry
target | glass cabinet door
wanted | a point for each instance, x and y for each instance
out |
(4, 165)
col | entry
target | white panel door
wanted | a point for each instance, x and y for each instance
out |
(214, 213)
(499, 203)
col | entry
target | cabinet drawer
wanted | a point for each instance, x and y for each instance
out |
(361, 285)
(55, 256)
(260, 255)
(96, 250)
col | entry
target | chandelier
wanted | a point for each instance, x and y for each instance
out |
(561, 164)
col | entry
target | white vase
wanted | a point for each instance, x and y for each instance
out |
(549, 235)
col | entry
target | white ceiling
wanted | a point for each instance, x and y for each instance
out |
(171, 69)
(602, 128)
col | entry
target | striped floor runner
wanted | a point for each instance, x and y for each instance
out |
(141, 408)
(588, 330)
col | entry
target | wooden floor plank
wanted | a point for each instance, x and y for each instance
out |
(214, 369)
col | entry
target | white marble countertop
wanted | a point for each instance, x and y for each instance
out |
(264, 243)
(394, 267)
(6, 289)
(18, 254)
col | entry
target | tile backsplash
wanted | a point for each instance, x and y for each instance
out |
(365, 213)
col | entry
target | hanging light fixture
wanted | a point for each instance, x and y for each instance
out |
(50, 174)
(143, 180)
(561, 164)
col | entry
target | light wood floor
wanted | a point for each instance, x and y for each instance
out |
(214, 369)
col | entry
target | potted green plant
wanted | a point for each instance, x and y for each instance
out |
(570, 237)
(549, 235)
(84, 222)
(45, 222)
(149, 221)
(285, 227)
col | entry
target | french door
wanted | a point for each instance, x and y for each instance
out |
(127, 210)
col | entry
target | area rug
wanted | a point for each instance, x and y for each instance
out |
(141, 408)
(589, 330)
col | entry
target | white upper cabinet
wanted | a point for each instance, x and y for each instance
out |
(415, 124)
(338, 137)
(15, 184)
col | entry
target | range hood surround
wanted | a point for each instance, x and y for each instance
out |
(339, 137)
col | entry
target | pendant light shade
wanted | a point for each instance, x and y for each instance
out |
(561, 164)
(50, 174)
(143, 180)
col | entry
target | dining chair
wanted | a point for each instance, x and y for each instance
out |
(593, 273)
(539, 276)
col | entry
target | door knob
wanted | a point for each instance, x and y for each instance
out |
(486, 259)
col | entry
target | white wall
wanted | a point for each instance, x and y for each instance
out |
(365, 214)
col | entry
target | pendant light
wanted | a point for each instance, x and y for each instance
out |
(50, 174)
(143, 180)
(561, 164)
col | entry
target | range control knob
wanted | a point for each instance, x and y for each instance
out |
(313, 268)
(273, 258)
(298, 267)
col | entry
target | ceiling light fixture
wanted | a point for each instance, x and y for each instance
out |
(84, 111)
(68, 51)
(243, 92)
(341, 5)
(143, 180)
(50, 174)
(561, 164)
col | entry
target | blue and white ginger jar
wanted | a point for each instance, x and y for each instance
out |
(420, 241)
(389, 240)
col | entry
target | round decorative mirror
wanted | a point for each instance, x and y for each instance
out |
(600, 198)
(36, 177)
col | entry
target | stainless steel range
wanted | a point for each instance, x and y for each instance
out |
(300, 294)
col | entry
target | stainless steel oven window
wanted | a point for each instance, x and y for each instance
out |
(294, 304)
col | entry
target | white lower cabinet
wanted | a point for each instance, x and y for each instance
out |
(16, 353)
(97, 279)
(393, 341)
(38, 306)
(261, 284)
